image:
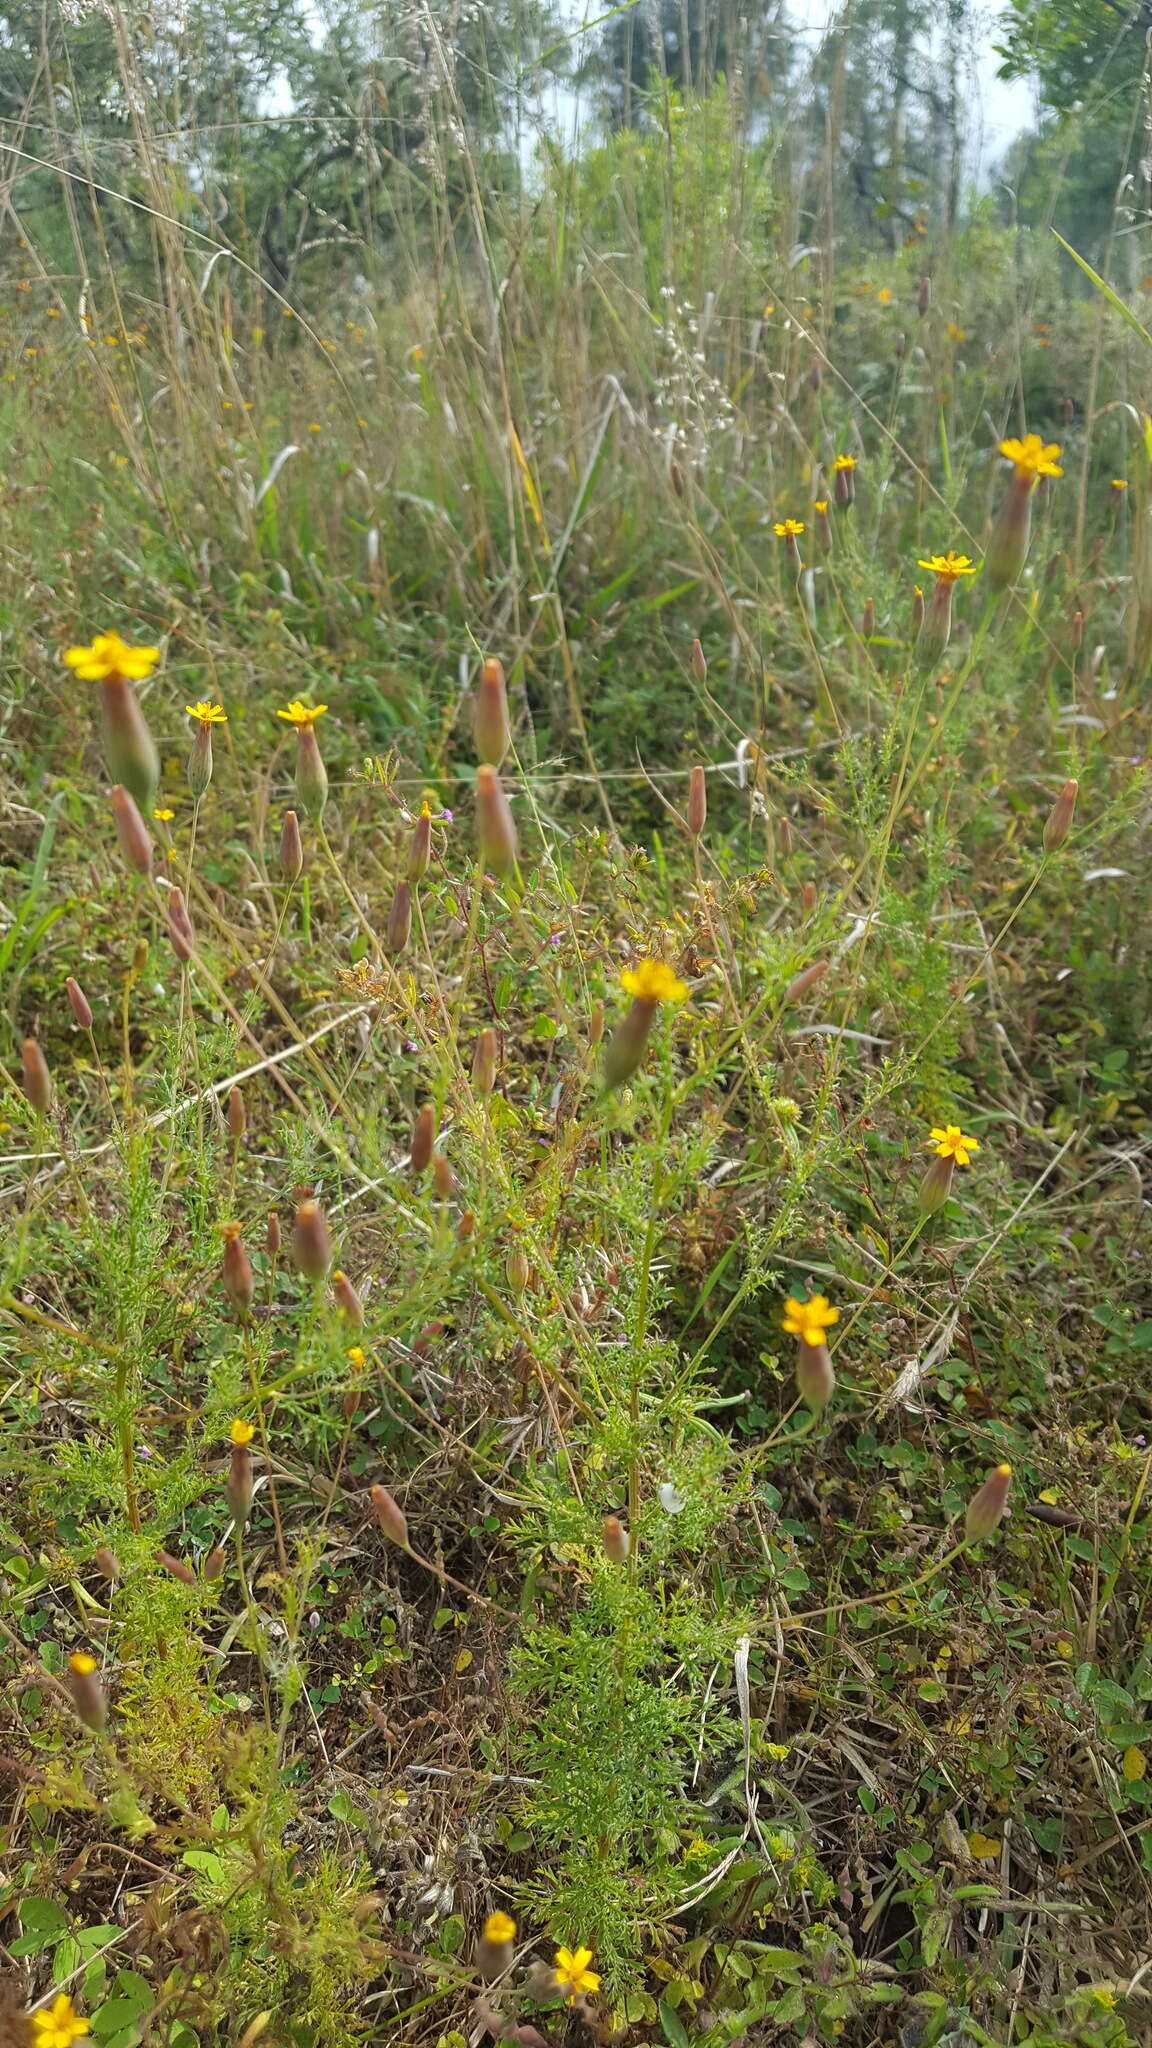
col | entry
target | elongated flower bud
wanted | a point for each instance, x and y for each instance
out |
(699, 663)
(176, 1568)
(291, 848)
(181, 936)
(495, 830)
(697, 802)
(420, 847)
(399, 929)
(272, 1235)
(924, 296)
(936, 1186)
(35, 1078)
(443, 1179)
(484, 1060)
(239, 1281)
(844, 488)
(495, 1948)
(129, 748)
(985, 1510)
(1011, 533)
(311, 1244)
(423, 1139)
(87, 1691)
(617, 1543)
(79, 1005)
(815, 374)
(823, 527)
(198, 768)
(237, 1114)
(466, 1228)
(390, 1515)
(1077, 631)
(311, 774)
(239, 1485)
(936, 630)
(490, 727)
(628, 1043)
(107, 1562)
(917, 610)
(517, 1270)
(1060, 817)
(215, 1562)
(131, 831)
(805, 982)
(815, 1377)
(347, 1300)
(868, 619)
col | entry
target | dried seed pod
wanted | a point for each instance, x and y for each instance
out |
(423, 1139)
(347, 1300)
(239, 1484)
(83, 1683)
(399, 929)
(239, 1281)
(131, 831)
(78, 1003)
(1060, 817)
(616, 1540)
(35, 1079)
(495, 830)
(311, 1243)
(697, 802)
(491, 730)
(484, 1060)
(985, 1510)
(390, 1515)
(291, 848)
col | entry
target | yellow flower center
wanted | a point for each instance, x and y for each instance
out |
(81, 1663)
(241, 1433)
(951, 1143)
(653, 981)
(499, 1928)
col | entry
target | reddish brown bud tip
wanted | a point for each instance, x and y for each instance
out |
(1060, 817)
(237, 1114)
(78, 1003)
(239, 1282)
(390, 1515)
(291, 848)
(495, 831)
(176, 1568)
(214, 1562)
(484, 1060)
(34, 1076)
(804, 983)
(272, 1235)
(181, 936)
(490, 727)
(131, 831)
(347, 1300)
(107, 1562)
(985, 1510)
(617, 1542)
(423, 1139)
(697, 802)
(466, 1228)
(311, 1244)
(443, 1179)
(699, 663)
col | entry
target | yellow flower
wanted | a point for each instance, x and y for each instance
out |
(163, 817)
(572, 1969)
(884, 296)
(1032, 457)
(241, 1432)
(81, 1662)
(951, 1143)
(356, 1356)
(949, 567)
(1104, 1996)
(955, 333)
(844, 462)
(59, 2024)
(499, 1928)
(654, 982)
(111, 660)
(302, 714)
(788, 528)
(821, 505)
(207, 713)
(1119, 483)
(808, 1320)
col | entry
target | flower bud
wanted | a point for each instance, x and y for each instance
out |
(815, 375)
(311, 1244)
(390, 1515)
(917, 610)
(495, 831)
(1011, 533)
(131, 831)
(1060, 817)
(237, 1114)
(805, 982)
(466, 1228)
(815, 1377)
(399, 929)
(214, 1562)
(484, 1060)
(423, 1139)
(198, 768)
(347, 1300)
(494, 1950)
(129, 748)
(823, 527)
(176, 1568)
(697, 802)
(1077, 631)
(311, 774)
(239, 1485)
(628, 1043)
(490, 728)
(239, 1283)
(272, 1235)
(936, 630)
(517, 1270)
(443, 1179)
(924, 296)
(181, 936)
(420, 847)
(844, 488)
(617, 1542)
(107, 1562)
(868, 619)
(699, 663)
(34, 1076)
(936, 1186)
(87, 1692)
(291, 848)
(986, 1508)
(596, 1024)
(79, 1005)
